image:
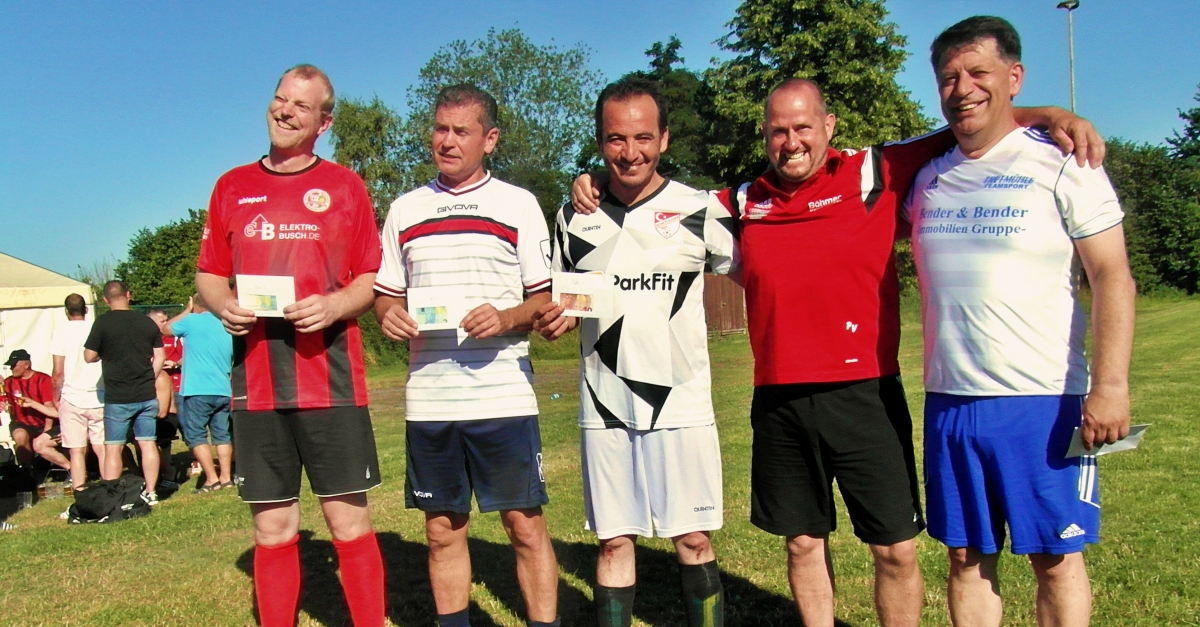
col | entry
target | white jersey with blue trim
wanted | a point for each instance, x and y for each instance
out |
(993, 241)
(646, 366)
(489, 242)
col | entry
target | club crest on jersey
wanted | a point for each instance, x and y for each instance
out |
(667, 224)
(317, 200)
(757, 210)
(259, 226)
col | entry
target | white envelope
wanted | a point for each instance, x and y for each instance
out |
(265, 295)
(583, 295)
(1127, 443)
(436, 308)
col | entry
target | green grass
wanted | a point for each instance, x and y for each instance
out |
(189, 563)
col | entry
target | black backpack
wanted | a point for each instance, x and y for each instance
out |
(109, 501)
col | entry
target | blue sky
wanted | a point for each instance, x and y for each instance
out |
(119, 116)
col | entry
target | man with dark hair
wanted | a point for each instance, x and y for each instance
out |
(298, 381)
(1001, 226)
(30, 398)
(822, 304)
(651, 457)
(78, 389)
(475, 249)
(131, 349)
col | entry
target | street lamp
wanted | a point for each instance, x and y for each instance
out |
(1070, 6)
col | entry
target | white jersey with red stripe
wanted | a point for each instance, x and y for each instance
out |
(489, 243)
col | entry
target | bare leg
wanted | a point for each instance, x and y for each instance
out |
(1064, 596)
(149, 449)
(810, 575)
(899, 589)
(225, 457)
(449, 560)
(275, 523)
(113, 461)
(45, 446)
(694, 548)
(79, 466)
(617, 566)
(537, 567)
(973, 589)
(203, 454)
(24, 446)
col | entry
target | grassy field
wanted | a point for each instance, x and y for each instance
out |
(189, 563)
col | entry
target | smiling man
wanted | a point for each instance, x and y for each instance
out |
(299, 383)
(1002, 225)
(651, 458)
(471, 418)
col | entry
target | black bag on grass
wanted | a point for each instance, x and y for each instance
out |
(109, 501)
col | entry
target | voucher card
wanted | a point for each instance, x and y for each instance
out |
(583, 295)
(436, 308)
(1127, 443)
(265, 295)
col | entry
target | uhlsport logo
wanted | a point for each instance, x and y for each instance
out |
(259, 226)
(667, 224)
(317, 200)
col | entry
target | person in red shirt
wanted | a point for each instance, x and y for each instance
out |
(299, 382)
(822, 304)
(29, 395)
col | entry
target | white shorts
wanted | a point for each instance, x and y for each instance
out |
(80, 425)
(665, 482)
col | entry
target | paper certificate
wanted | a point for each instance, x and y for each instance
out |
(1127, 443)
(436, 308)
(583, 295)
(265, 295)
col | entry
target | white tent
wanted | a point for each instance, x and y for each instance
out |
(31, 307)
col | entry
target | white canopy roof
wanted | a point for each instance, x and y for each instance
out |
(24, 285)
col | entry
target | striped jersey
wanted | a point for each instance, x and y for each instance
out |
(489, 240)
(993, 239)
(317, 226)
(646, 365)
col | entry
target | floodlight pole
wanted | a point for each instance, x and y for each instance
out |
(1070, 6)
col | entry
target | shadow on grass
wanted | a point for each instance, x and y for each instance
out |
(410, 599)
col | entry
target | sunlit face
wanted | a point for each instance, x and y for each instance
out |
(160, 319)
(295, 119)
(797, 133)
(632, 142)
(976, 87)
(460, 143)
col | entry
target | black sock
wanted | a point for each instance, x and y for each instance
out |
(703, 595)
(457, 619)
(557, 623)
(614, 606)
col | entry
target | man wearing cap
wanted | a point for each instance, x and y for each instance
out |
(30, 397)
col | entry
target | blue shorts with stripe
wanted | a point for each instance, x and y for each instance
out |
(992, 461)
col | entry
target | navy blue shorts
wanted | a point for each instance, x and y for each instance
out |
(497, 459)
(997, 460)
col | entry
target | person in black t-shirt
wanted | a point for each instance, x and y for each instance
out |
(130, 346)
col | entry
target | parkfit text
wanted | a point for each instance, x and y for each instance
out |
(654, 282)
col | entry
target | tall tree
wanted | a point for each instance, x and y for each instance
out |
(845, 46)
(161, 265)
(367, 138)
(1187, 145)
(545, 96)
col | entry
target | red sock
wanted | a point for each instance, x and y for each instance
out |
(361, 564)
(277, 582)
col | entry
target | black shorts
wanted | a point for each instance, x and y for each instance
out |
(499, 459)
(335, 446)
(859, 433)
(33, 432)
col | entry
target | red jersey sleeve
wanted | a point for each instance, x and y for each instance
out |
(902, 160)
(216, 256)
(368, 251)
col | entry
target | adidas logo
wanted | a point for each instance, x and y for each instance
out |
(1071, 531)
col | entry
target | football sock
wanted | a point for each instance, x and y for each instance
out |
(557, 623)
(457, 619)
(361, 564)
(614, 606)
(277, 582)
(703, 595)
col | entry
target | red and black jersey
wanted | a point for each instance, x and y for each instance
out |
(822, 297)
(39, 387)
(173, 346)
(318, 226)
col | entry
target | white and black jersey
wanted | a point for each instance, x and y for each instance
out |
(646, 366)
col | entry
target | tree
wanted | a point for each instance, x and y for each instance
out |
(367, 138)
(161, 265)
(545, 97)
(1187, 145)
(1160, 194)
(96, 275)
(845, 46)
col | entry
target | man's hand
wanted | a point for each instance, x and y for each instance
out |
(237, 321)
(170, 365)
(1105, 416)
(394, 319)
(314, 313)
(485, 321)
(585, 194)
(550, 323)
